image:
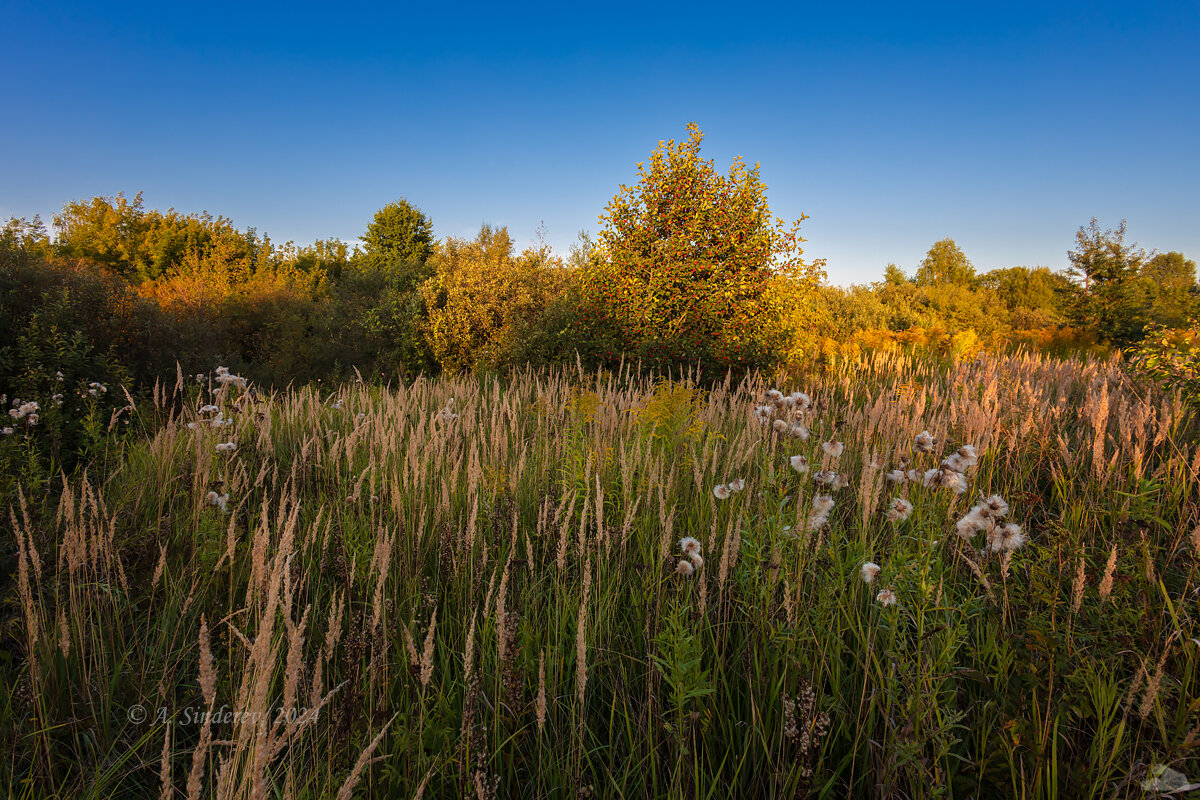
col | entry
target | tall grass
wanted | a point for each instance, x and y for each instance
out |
(406, 595)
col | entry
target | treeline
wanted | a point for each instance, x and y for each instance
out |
(689, 268)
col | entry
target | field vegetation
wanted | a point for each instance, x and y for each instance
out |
(670, 516)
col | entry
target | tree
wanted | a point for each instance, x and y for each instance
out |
(1171, 281)
(694, 267)
(1108, 297)
(484, 303)
(398, 242)
(945, 263)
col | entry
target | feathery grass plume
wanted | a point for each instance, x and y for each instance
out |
(541, 695)
(581, 636)
(886, 597)
(347, 790)
(1077, 587)
(1155, 681)
(167, 790)
(899, 510)
(158, 570)
(1149, 560)
(799, 464)
(427, 654)
(1110, 569)
(869, 571)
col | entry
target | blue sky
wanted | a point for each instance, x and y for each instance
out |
(1005, 126)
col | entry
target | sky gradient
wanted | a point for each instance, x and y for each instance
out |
(1004, 126)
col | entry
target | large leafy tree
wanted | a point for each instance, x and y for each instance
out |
(1109, 297)
(694, 266)
(484, 303)
(945, 262)
(398, 242)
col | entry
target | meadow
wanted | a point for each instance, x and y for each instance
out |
(894, 577)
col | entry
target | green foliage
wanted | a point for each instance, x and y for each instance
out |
(1108, 297)
(398, 242)
(1171, 357)
(945, 263)
(143, 245)
(486, 304)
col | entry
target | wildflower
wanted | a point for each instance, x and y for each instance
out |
(897, 476)
(32, 420)
(722, 492)
(833, 449)
(969, 525)
(799, 463)
(886, 597)
(736, 485)
(822, 503)
(996, 505)
(797, 430)
(940, 478)
(218, 500)
(954, 463)
(899, 510)
(869, 571)
(1007, 536)
(225, 378)
(924, 442)
(685, 569)
(226, 447)
(689, 545)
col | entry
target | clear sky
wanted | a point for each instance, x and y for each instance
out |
(1006, 126)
